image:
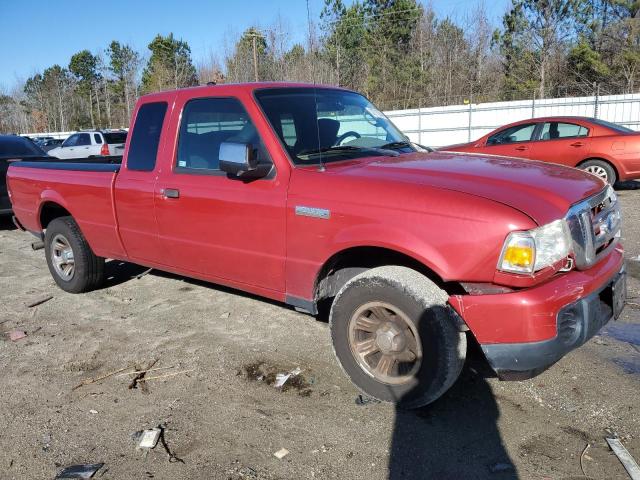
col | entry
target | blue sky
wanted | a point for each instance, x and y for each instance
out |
(35, 34)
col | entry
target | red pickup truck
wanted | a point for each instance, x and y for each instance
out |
(310, 196)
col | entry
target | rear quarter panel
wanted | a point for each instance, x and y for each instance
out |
(86, 195)
(623, 151)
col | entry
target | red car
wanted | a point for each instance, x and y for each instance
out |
(603, 148)
(310, 196)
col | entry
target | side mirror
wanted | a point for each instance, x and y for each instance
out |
(238, 159)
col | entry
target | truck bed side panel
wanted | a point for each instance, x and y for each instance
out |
(87, 195)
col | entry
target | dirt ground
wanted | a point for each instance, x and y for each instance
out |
(223, 418)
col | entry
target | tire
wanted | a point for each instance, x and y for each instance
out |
(87, 272)
(440, 348)
(601, 169)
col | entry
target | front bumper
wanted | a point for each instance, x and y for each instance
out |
(525, 332)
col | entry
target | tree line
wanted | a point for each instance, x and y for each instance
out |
(399, 53)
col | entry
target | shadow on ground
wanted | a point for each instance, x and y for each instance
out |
(118, 272)
(6, 223)
(628, 185)
(455, 437)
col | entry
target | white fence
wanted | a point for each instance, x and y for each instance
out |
(440, 126)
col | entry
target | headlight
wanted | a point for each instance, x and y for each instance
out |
(533, 250)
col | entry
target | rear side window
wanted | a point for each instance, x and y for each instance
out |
(143, 148)
(554, 130)
(96, 137)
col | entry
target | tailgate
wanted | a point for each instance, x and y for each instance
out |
(116, 149)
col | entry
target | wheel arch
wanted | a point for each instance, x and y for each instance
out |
(349, 262)
(49, 211)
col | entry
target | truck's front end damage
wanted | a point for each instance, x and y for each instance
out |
(523, 331)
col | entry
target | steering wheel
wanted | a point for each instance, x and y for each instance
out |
(348, 134)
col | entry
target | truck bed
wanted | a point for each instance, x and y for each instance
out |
(84, 189)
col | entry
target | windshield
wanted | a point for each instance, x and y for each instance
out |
(324, 125)
(19, 147)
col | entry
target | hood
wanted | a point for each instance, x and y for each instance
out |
(543, 191)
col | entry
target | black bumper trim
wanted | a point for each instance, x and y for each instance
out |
(520, 361)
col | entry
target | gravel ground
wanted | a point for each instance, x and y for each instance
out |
(223, 418)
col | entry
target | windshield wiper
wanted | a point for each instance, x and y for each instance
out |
(399, 144)
(335, 148)
(345, 148)
(406, 143)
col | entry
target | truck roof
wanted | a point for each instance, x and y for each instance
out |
(237, 87)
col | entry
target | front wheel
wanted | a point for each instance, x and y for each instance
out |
(72, 263)
(600, 169)
(395, 336)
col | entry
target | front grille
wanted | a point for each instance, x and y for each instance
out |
(595, 227)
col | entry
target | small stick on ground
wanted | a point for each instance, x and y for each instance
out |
(165, 445)
(39, 301)
(584, 452)
(144, 371)
(138, 380)
(89, 381)
(172, 374)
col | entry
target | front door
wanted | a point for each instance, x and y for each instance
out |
(219, 227)
(68, 147)
(511, 142)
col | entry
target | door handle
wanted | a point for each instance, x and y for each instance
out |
(170, 193)
(522, 148)
(577, 144)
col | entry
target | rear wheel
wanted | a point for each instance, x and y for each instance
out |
(601, 169)
(72, 263)
(395, 337)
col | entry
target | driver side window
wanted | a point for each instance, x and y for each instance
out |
(71, 141)
(518, 133)
(206, 124)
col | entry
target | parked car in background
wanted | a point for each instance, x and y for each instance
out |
(50, 144)
(311, 196)
(605, 149)
(91, 143)
(41, 140)
(13, 147)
